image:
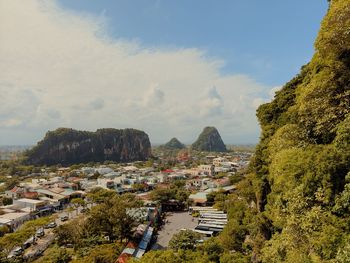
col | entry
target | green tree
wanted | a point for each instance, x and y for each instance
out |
(111, 218)
(55, 255)
(185, 239)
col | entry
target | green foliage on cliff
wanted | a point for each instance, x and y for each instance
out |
(302, 161)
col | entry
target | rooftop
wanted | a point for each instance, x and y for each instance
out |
(31, 201)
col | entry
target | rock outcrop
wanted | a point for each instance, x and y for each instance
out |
(67, 146)
(210, 141)
(174, 144)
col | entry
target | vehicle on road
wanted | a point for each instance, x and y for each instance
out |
(51, 225)
(17, 251)
(64, 218)
(40, 232)
(29, 242)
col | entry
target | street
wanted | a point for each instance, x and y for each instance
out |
(44, 242)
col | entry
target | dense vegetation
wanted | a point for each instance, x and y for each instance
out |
(294, 204)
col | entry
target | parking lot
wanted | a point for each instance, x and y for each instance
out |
(174, 222)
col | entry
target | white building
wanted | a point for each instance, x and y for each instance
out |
(32, 204)
(207, 169)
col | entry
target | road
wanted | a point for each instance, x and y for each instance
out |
(44, 242)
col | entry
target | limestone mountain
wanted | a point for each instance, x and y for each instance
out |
(174, 144)
(209, 140)
(67, 146)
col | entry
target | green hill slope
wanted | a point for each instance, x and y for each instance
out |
(300, 175)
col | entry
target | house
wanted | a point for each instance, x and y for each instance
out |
(208, 170)
(105, 183)
(103, 170)
(219, 160)
(14, 219)
(127, 253)
(198, 199)
(222, 182)
(15, 193)
(192, 172)
(32, 204)
(194, 183)
(54, 198)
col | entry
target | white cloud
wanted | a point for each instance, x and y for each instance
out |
(272, 91)
(212, 103)
(153, 97)
(60, 68)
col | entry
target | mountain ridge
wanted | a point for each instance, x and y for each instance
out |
(67, 146)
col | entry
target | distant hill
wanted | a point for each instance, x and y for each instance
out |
(209, 140)
(67, 146)
(174, 144)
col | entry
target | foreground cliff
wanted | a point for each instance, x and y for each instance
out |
(210, 141)
(301, 173)
(67, 146)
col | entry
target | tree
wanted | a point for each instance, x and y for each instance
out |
(185, 239)
(139, 187)
(99, 195)
(106, 253)
(163, 195)
(7, 201)
(111, 218)
(56, 255)
(213, 249)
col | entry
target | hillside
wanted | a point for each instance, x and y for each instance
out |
(174, 144)
(210, 141)
(300, 176)
(67, 146)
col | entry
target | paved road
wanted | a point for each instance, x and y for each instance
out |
(174, 223)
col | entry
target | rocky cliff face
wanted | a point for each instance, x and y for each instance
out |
(209, 140)
(67, 146)
(174, 144)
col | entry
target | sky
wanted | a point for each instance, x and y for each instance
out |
(167, 67)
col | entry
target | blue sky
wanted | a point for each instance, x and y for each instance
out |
(169, 68)
(269, 40)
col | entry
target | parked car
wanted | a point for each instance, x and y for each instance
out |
(40, 232)
(17, 251)
(29, 242)
(64, 218)
(51, 225)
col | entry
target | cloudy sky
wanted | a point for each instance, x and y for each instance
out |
(166, 67)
